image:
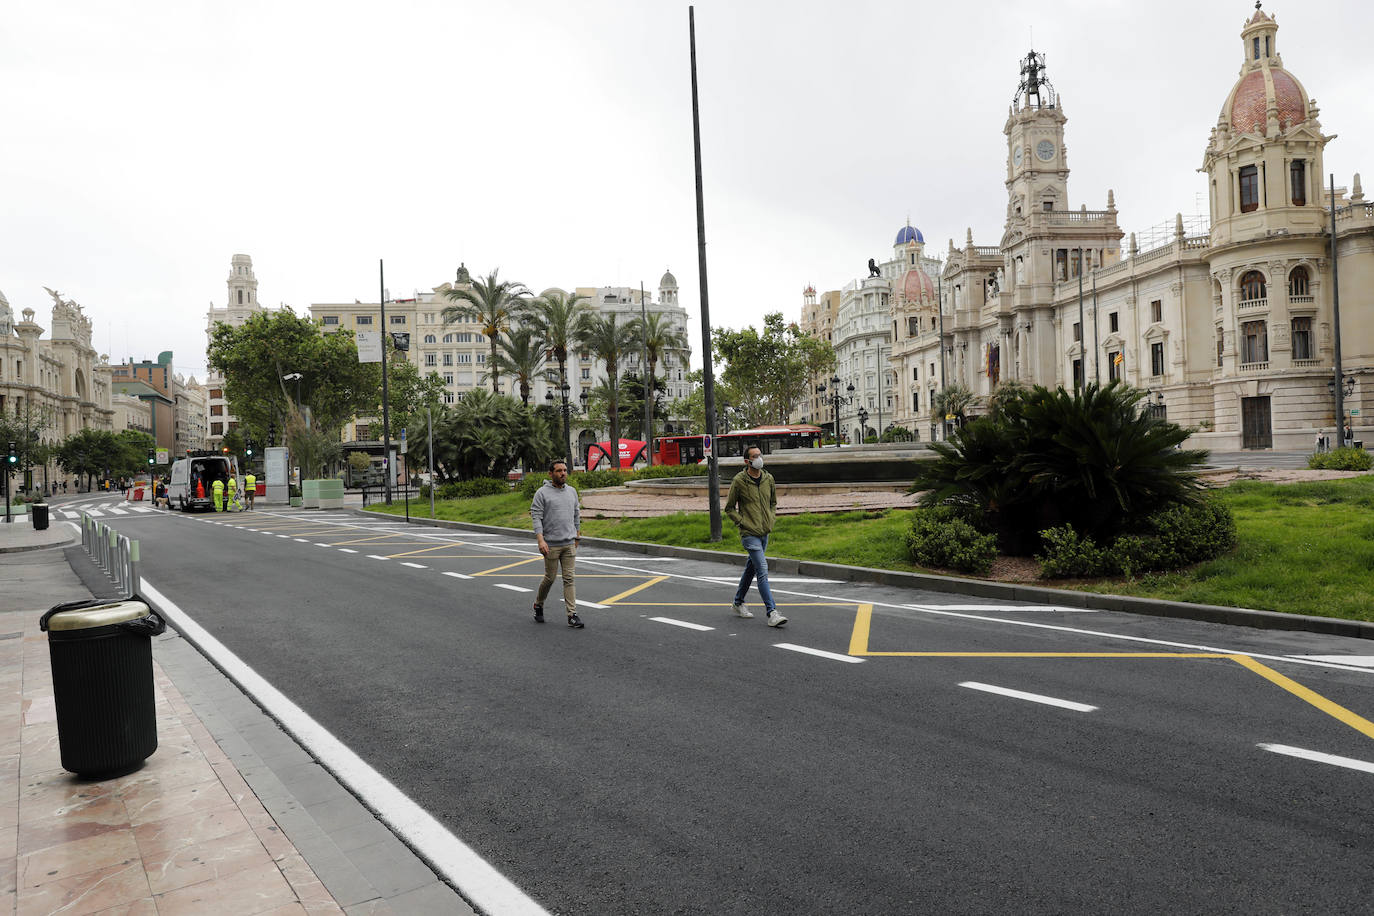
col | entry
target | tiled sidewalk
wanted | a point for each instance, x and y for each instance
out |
(184, 834)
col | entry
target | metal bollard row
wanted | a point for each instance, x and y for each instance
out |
(113, 552)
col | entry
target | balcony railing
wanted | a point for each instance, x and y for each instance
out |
(1255, 367)
(1306, 363)
(1300, 300)
(1248, 304)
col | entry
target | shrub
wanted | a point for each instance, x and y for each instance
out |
(939, 537)
(898, 434)
(1172, 538)
(1068, 555)
(582, 480)
(1342, 459)
(670, 470)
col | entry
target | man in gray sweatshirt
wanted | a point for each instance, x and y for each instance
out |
(558, 527)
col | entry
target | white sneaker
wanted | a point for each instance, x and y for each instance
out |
(742, 610)
(775, 619)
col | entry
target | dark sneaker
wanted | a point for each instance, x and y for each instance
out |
(539, 613)
(575, 622)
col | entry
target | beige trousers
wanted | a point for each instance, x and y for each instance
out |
(564, 556)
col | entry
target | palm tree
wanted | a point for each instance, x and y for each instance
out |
(954, 399)
(609, 341)
(494, 305)
(557, 319)
(520, 356)
(660, 337)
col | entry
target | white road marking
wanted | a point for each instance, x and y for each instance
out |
(599, 607)
(300, 540)
(1019, 608)
(1362, 661)
(1349, 763)
(659, 560)
(457, 575)
(283, 535)
(114, 511)
(254, 530)
(1032, 697)
(322, 545)
(346, 550)
(415, 566)
(478, 881)
(514, 588)
(373, 556)
(819, 653)
(678, 623)
(730, 580)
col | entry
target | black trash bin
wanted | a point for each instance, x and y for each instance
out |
(102, 676)
(40, 516)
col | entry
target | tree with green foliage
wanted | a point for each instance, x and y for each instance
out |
(953, 401)
(485, 435)
(770, 371)
(130, 457)
(1092, 459)
(693, 406)
(660, 338)
(610, 342)
(495, 305)
(520, 356)
(88, 453)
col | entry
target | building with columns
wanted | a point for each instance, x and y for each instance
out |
(242, 304)
(1231, 326)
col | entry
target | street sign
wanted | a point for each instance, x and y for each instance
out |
(706, 445)
(164, 456)
(369, 346)
(1355, 412)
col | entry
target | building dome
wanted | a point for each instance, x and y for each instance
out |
(668, 282)
(917, 285)
(909, 234)
(1259, 90)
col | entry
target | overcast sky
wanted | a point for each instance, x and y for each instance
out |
(146, 143)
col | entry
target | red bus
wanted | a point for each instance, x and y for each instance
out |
(691, 449)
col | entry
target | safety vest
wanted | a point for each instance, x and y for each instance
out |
(251, 483)
(217, 485)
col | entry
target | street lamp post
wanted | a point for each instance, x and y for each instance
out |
(296, 377)
(582, 396)
(863, 425)
(836, 399)
(548, 396)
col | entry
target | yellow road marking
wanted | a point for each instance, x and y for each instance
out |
(450, 546)
(384, 537)
(1359, 723)
(638, 588)
(1044, 654)
(487, 572)
(858, 640)
(729, 604)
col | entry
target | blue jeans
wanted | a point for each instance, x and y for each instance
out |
(757, 566)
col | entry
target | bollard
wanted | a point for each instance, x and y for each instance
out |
(134, 582)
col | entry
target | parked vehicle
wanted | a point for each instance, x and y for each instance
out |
(181, 492)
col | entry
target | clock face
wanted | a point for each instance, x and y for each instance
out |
(1045, 150)
(1016, 157)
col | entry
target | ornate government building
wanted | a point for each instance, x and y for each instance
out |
(1231, 328)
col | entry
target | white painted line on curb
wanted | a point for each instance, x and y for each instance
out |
(415, 566)
(514, 588)
(491, 891)
(347, 550)
(1032, 697)
(599, 607)
(679, 623)
(819, 653)
(1018, 608)
(1349, 763)
(373, 556)
(457, 575)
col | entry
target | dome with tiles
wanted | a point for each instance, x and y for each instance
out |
(1264, 84)
(909, 233)
(917, 285)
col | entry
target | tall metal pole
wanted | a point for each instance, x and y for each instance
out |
(429, 422)
(1082, 331)
(1097, 347)
(707, 375)
(880, 395)
(644, 372)
(386, 412)
(1336, 319)
(940, 310)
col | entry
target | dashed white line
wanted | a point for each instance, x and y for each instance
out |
(300, 540)
(819, 653)
(373, 556)
(346, 550)
(1019, 608)
(457, 575)
(324, 545)
(1031, 697)
(415, 566)
(599, 607)
(514, 588)
(283, 535)
(1349, 763)
(678, 623)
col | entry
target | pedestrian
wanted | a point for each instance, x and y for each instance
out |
(557, 518)
(230, 493)
(1321, 439)
(752, 506)
(250, 488)
(217, 485)
(1349, 435)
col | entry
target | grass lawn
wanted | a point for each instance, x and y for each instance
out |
(1304, 548)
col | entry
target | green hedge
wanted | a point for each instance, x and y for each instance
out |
(581, 480)
(942, 538)
(1170, 539)
(1342, 459)
(670, 470)
(467, 489)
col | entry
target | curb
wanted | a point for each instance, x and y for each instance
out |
(1152, 607)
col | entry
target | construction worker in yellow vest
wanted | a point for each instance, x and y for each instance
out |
(230, 494)
(217, 487)
(250, 488)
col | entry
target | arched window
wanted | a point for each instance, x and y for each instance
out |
(429, 338)
(1298, 282)
(1252, 286)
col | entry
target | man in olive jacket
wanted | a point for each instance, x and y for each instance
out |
(752, 505)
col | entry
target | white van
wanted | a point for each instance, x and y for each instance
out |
(186, 472)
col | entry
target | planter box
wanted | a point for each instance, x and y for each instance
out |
(322, 494)
(295, 502)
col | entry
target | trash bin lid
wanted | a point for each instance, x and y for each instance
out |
(99, 615)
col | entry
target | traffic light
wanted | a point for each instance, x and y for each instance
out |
(249, 450)
(225, 449)
(152, 457)
(12, 454)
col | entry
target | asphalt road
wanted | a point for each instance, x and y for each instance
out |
(643, 766)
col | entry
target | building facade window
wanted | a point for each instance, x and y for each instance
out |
(448, 378)
(1113, 366)
(1157, 359)
(1254, 342)
(1252, 286)
(362, 319)
(464, 359)
(398, 319)
(1114, 322)
(1157, 311)
(329, 320)
(1302, 338)
(1297, 179)
(1221, 344)
(1249, 188)
(448, 359)
(430, 360)
(1299, 283)
(429, 338)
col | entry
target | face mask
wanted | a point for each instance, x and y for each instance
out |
(757, 463)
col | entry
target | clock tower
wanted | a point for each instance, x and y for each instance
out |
(1037, 168)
